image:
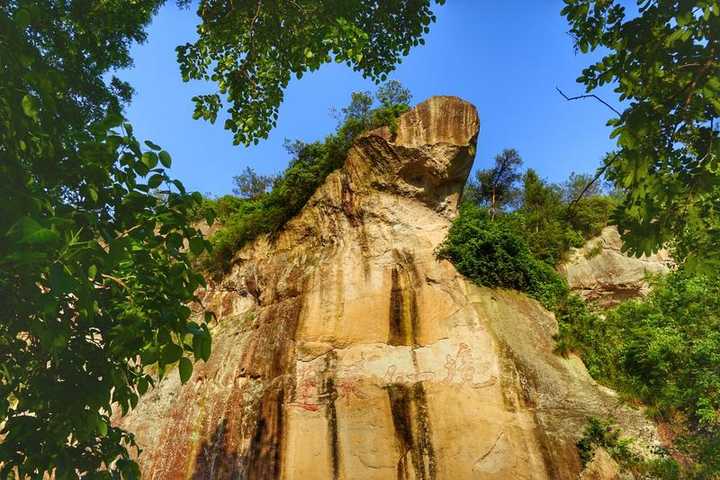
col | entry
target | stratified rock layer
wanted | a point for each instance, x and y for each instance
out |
(345, 350)
(603, 274)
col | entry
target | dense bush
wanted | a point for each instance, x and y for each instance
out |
(495, 253)
(591, 214)
(665, 349)
(243, 219)
(551, 217)
(519, 248)
(601, 433)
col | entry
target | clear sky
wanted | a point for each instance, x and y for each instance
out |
(506, 57)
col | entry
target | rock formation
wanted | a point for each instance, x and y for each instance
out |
(344, 349)
(602, 274)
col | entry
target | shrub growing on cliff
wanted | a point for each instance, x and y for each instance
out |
(600, 433)
(244, 219)
(545, 214)
(495, 253)
(545, 219)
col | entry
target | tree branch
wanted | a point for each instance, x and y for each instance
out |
(599, 174)
(580, 97)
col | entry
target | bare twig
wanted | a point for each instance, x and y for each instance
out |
(580, 97)
(251, 34)
(115, 279)
(128, 231)
(599, 174)
(242, 70)
(712, 137)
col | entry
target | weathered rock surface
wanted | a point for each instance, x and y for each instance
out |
(345, 350)
(602, 274)
(601, 467)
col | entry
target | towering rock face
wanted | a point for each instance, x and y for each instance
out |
(603, 274)
(345, 350)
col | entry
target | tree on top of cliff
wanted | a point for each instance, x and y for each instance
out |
(248, 184)
(663, 62)
(496, 186)
(581, 184)
(251, 49)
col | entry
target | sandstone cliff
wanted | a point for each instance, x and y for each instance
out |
(345, 350)
(602, 274)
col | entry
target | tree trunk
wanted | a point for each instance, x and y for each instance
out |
(492, 205)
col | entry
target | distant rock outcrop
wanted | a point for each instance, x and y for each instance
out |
(602, 274)
(344, 349)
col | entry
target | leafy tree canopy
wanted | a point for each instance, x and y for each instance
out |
(496, 186)
(550, 216)
(664, 65)
(251, 185)
(94, 276)
(392, 93)
(252, 49)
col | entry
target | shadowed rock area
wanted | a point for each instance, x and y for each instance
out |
(345, 350)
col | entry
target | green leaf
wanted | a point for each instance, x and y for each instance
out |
(32, 233)
(149, 355)
(197, 245)
(180, 186)
(92, 272)
(210, 217)
(29, 106)
(142, 385)
(22, 18)
(165, 159)
(113, 119)
(206, 347)
(149, 159)
(152, 145)
(93, 194)
(102, 427)
(186, 368)
(171, 353)
(156, 180)
(202, 344)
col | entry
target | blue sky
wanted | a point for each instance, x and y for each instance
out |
(505, 57)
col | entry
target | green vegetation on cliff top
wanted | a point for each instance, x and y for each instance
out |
(265, 212)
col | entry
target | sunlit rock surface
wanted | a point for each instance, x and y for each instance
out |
(603, 274)
(345, 350)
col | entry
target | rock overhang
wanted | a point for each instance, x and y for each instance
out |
(427, 155)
